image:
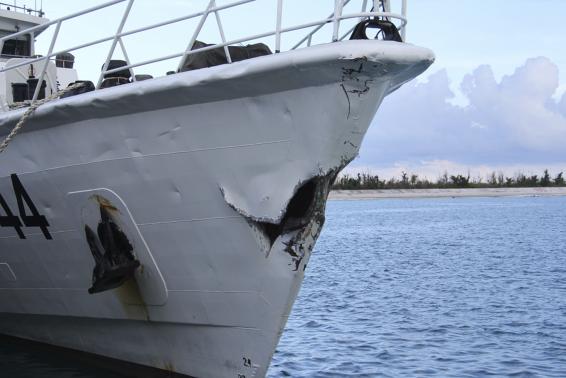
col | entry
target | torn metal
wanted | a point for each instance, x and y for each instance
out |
(302, 219)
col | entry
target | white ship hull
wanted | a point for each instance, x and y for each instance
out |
(195, 167)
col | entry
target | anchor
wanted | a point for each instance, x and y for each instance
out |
(116, 264)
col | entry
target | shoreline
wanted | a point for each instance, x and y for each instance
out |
(352, 195)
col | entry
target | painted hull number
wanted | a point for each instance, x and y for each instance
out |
(8, 219)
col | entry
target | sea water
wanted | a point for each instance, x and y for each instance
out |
(455, 287)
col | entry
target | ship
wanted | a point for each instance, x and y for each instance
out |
(168, 221)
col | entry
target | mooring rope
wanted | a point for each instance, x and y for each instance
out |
(32, 108)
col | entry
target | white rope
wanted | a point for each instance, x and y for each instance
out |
(32, 108)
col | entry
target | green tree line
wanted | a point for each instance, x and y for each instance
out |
(413, 181)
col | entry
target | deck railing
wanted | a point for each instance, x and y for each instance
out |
(379, 8)
(23, 9)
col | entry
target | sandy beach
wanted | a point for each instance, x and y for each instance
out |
(439, 193)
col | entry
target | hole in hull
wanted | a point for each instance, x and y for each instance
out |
(297, 213)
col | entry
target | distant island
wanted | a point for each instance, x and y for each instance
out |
(365, 181)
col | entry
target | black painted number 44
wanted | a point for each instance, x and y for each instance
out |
(8, 219)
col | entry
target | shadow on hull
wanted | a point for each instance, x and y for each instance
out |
(21, 358)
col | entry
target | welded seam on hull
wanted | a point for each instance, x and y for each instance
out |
(188, 220)
(137, 224)
(154, 155)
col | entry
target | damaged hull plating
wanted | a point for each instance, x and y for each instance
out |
(216, 181)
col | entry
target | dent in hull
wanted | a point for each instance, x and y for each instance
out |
(222, 203)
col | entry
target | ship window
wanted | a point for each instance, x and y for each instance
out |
(19, 46)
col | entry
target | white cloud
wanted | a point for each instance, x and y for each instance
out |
(511, 123)
(562, 105)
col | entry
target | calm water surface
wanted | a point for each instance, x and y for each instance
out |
(464, 287)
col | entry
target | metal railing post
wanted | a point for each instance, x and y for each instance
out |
(222, 36)
(114, 42)
(360, 19)
(364, 7)
(376, 5)
(46, 64)
(127, 58)
(337, 14)
(404, 14)
(278, 26)
(309, 36)
(117, 38)
(195, 34)
(316, 24)
(121, 35)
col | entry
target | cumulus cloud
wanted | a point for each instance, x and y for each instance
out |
(512, 122)
(562, 105)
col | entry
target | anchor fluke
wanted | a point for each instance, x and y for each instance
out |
(112, 253)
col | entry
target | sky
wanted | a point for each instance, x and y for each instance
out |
(493, 100)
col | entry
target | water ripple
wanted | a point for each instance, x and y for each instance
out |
(471, 287)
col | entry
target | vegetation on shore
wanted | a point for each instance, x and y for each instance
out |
(412, 181)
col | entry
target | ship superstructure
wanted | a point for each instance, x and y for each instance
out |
(169, 221)
(19, 29)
